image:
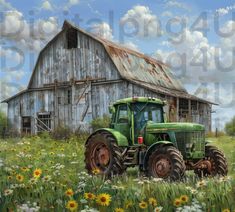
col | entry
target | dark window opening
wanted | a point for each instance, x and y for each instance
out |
(59, 100)
(69, 97)
(26, 125)
(72, 39)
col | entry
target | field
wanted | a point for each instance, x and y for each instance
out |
(40, 174)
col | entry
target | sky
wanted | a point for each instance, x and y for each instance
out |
(196, 38)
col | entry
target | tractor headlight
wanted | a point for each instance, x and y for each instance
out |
(189, 145)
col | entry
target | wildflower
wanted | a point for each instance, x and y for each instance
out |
(201, 183)
(143, 204)
(152, 201)
(226, 210)
(9, 177)
(177, 202)
(69, 192)
(184, 198)
(103, 199)
(19, 177)
(89, 196)
(8, 192)
(128, 204)
(158, 209)
(96, 171)
(72, 205)
(37, 173)
(24, 169)
(46, 178)
(119, 210)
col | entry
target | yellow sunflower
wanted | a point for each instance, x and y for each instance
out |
(89, 196)
(9, 177)
(129, 204)
(19, 177)
(184, 198)
(72, 205)
(226, 210)
(152, 201)
(103, 199)
(96, 171)
(69, 192)
(119, 210)
(143, 204)
(37, 173)
(177, 202)
(24, 169)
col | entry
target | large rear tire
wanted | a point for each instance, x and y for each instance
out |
(218, 162)
(103, 155)
(166, 162)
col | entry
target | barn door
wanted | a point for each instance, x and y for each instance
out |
(43, 122)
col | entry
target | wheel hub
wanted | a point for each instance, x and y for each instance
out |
(100, 157)
(162, 167)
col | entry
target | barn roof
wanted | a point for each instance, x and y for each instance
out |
(135, 67)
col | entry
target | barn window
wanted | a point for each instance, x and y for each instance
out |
(72, 39)
(26, 125)
(59, 100)
(69, 97)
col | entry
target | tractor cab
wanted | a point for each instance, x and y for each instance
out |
(131, 115)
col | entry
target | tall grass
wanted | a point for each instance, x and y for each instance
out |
(62, 168)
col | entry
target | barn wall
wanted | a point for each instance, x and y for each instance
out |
(29, 104)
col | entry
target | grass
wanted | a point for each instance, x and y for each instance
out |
(47, 175)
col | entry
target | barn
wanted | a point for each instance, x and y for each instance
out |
(78, 75)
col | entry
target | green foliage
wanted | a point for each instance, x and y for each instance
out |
(3, 123)
(62, 168)
(230, 127)
(101, 122)
(61, 133)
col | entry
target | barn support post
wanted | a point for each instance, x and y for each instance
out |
(189, 110)
(177, 109)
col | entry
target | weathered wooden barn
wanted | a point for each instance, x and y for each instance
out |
(77, 75)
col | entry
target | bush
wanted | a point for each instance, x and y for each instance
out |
(3, 124)
(61, 133)
(101, 122)
(230, 127)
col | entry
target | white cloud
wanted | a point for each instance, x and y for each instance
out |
(16, 29)
(140, 21)
(5, 5)
(167, 14)
(73, 2)
(177, 5)
(103, 30)
(224, 10)
(131, 45)
(46, 5)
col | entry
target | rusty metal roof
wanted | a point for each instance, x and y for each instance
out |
(135, 67)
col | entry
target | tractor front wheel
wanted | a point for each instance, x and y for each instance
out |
(166, 162)
(218, 163)
(103, 155)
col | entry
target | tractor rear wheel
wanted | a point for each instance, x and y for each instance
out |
(103, 155)
(218, 163)
(166, 162)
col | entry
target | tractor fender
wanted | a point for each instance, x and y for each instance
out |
(120, 138)
(208, 142)
(152, 148)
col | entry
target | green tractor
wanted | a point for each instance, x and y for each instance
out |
(139, 136)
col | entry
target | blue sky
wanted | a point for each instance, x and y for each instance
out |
(168, 21)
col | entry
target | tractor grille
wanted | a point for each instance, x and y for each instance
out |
(197, 138)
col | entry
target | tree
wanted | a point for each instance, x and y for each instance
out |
(3, 123)
(230, 127)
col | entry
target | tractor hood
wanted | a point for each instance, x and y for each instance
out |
(180, 127)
